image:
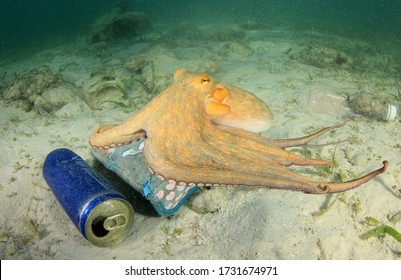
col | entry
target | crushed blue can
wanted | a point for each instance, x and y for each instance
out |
(101, 214)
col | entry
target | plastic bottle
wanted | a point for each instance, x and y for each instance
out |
(373, 107)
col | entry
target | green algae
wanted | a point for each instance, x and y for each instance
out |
(380, 230)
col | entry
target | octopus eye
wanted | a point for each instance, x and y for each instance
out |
(205, 80)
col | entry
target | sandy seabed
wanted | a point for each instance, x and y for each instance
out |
(248, 223)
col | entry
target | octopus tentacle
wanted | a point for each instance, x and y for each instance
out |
(131, 130)
(224, 158)
(115, 135)
(341, 187)
(249, 142)
(274, 176)
(285, 143)
(282, 143)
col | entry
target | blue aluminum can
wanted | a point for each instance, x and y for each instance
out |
(101, 214)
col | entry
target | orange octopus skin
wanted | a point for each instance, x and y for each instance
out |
(201, 131)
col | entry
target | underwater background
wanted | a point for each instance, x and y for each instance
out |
(68, 67)
(27, 25)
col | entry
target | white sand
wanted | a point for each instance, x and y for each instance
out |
(252, 223)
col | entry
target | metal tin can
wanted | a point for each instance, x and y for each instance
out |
(101, 214)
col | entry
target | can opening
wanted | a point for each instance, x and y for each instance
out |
(98, 227)
(109, 222)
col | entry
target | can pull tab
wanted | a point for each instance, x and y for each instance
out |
(115, 222)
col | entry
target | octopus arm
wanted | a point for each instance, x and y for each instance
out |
(274, 176)
(285, 143)
(111, 135)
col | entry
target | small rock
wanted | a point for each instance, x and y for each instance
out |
(208, 200)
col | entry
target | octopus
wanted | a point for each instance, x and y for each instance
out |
(203, 132)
